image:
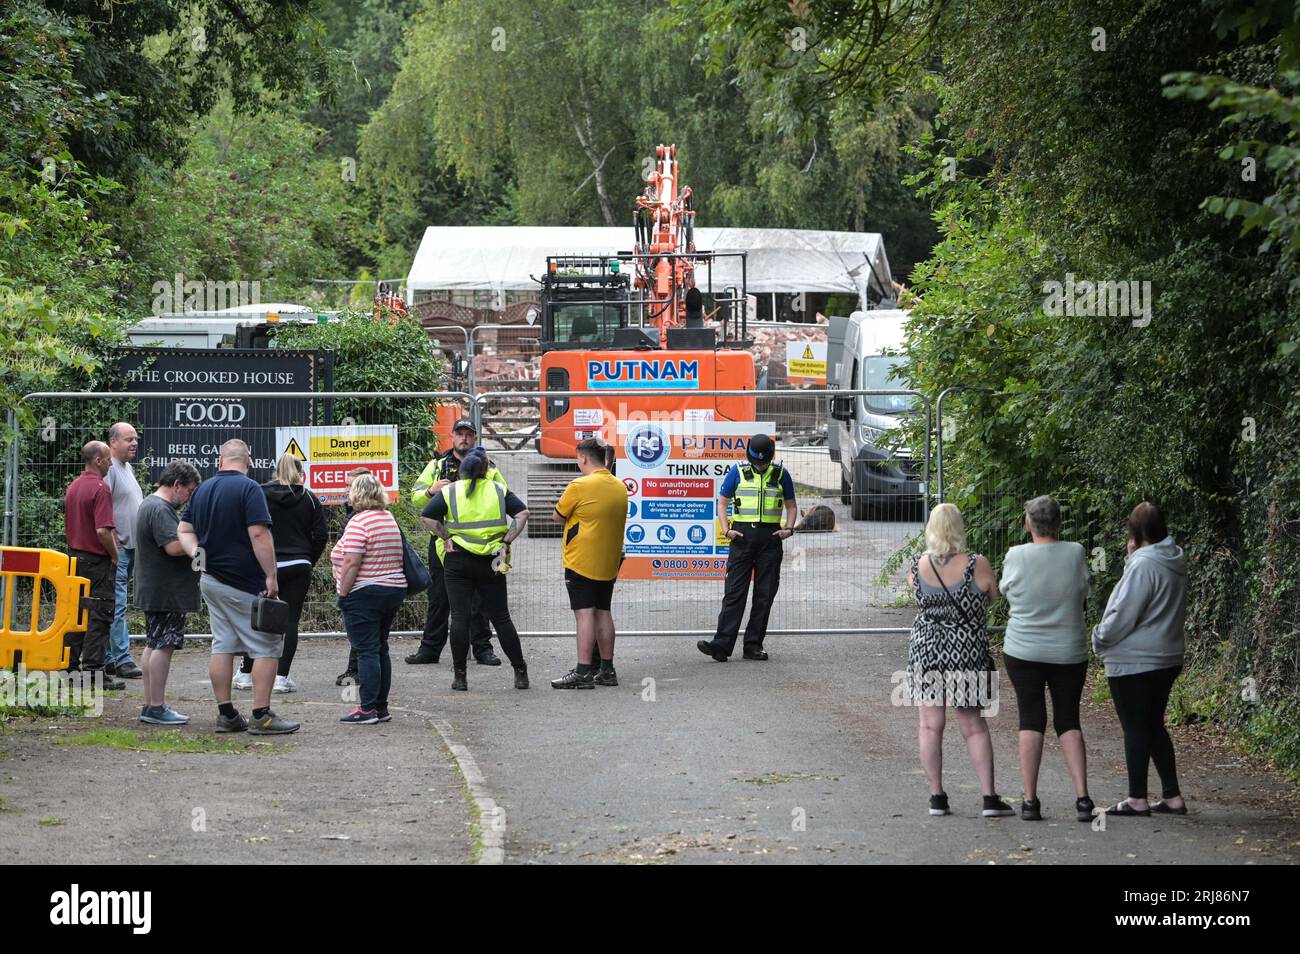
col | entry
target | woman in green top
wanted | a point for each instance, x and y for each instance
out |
(1045, 651)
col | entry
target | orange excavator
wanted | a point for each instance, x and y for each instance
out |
(638, 320)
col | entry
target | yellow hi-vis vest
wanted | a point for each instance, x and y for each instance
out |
(758, 496)
(477, 522)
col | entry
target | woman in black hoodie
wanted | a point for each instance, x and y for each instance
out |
(299, 530)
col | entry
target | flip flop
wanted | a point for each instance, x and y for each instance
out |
(1160, 808)
(1124, 808)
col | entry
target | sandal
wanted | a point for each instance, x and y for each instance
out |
(1160, 808)
(1124, 808)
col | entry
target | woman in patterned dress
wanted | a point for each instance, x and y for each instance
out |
(948, 659)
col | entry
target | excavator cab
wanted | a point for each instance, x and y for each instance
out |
(589, 303)
(585, 301)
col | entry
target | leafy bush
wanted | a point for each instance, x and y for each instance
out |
(390, 354)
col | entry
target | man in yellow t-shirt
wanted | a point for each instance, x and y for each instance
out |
(593, 510)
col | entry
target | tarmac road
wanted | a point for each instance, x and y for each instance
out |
(804, 758)
(800, 759)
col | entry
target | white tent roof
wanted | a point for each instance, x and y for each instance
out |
(491, 258)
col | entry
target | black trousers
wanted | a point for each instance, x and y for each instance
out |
(87, 650)
(437, 620)
(294, 582)
(468, 575)
(1140, 703)
(758, 553)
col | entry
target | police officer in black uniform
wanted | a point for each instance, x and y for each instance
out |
(442, 470)
(763, 492)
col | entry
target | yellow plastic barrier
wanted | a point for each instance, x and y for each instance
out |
(40, 648)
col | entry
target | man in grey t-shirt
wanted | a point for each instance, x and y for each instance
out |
(166, 585)
(123, 442)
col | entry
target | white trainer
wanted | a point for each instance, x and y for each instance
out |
(284, 684)
(242, 680)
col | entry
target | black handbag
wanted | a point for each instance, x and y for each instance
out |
(418, 578)
(270, 615)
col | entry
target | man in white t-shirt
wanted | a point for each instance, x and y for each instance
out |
(123, 442)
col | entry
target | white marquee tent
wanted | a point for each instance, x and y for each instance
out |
(504, 259)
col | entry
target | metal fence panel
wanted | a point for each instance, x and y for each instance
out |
(46, 458)
(836, 569)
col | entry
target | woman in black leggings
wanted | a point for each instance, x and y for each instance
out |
(473, 517)
(299, 530)
(1140, 639)
(1046, 649)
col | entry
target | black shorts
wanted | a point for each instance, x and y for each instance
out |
(163, 630)
(588, 594)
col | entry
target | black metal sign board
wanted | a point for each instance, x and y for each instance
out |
(194, 428)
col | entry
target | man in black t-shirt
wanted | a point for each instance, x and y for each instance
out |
(166, 585)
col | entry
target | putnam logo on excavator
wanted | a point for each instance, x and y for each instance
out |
(643, 373)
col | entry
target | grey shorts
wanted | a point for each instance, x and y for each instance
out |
(230, 612)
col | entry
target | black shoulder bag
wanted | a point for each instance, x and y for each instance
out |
(418, 577)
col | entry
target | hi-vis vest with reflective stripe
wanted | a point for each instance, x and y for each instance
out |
(437, 470)
(478, 522)
(758, 496)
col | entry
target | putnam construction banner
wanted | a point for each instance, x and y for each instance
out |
(672, 471)
(329, 453)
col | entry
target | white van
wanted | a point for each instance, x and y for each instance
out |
(872, 477)
(247, 326)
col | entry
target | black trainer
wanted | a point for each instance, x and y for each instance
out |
(1084, 809)
(707, 647)
(458, 680)
(347, 678)
(521, 677)
(995, 807)
(489, 658)
(1031, 810)
(574, 680)
(606, 677)
(757, 654)
(939, 804)
(422, 657)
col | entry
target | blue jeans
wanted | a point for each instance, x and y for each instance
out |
(368, 614)
(119, 637)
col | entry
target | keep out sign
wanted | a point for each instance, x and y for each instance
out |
(334, 477)
(329, 454)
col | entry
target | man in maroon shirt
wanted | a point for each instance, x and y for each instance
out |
(88, 521)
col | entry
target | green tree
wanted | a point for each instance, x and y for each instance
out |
(255, 200)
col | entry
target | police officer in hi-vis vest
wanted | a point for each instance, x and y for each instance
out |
(763, 493)
(472, 519)
(440, 472)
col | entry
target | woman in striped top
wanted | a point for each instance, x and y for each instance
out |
(368, 575)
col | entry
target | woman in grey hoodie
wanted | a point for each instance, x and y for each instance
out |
(1140, 639)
